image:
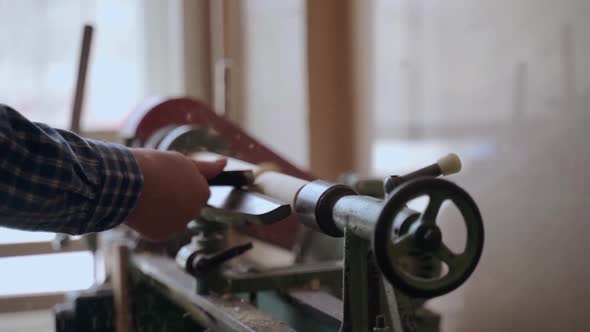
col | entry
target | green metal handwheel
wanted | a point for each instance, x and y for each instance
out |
(424, 235)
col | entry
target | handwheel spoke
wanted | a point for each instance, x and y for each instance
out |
(434, 204)
(403, 245)
(446, 255)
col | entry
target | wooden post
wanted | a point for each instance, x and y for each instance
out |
(197, 49)
(78, 102)
(340, 61)
(119, 277)
(227, 57)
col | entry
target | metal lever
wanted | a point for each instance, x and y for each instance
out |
(233, 178)
(447, 165)
(234, 206)
(201, 256)
(205, 263)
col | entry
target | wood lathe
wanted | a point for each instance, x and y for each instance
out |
(392, 257)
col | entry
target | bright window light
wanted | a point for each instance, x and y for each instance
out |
(46, 273)
(39, 68)
(399, 156)
(8, 235)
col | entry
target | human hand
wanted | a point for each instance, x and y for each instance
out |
(174, 190)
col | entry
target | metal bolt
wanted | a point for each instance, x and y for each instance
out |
(380, 321)
(380, 325)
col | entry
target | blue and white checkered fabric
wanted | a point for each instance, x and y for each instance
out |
(53, 180)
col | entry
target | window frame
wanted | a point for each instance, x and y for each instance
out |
(191, 77)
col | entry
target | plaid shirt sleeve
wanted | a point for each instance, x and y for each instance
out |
(54, 180)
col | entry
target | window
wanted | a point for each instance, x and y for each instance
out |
(39, 67)
(275, 91)
(60, 272)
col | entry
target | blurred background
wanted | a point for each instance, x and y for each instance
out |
(376, 87)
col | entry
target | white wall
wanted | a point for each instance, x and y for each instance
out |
(520, 68)
(31, 321)
(276, 80)
(455, 63)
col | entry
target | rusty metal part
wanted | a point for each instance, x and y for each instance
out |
(297, 276)
(319, 301)
(358, 305)
(158, 116)
(212, 312)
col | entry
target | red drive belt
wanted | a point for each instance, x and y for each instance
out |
(158, 113)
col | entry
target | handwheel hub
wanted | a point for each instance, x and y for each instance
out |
(428, 237)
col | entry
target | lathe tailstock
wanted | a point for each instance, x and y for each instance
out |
(388, 258)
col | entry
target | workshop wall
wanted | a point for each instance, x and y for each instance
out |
(30, 321)
(445, 66)
(505, 84)
(275, 98)
(534, 198)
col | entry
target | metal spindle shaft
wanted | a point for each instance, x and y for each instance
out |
(331, 208)
(359, 214)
